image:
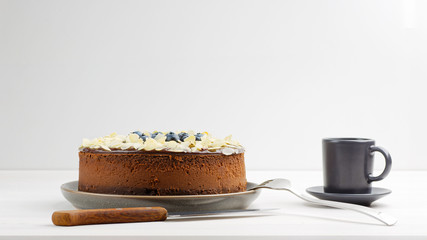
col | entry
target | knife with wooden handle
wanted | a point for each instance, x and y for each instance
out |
(109, 215)
(138, 214)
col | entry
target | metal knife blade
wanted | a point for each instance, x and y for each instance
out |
(220, 213)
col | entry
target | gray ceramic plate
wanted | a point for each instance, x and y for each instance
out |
(179, 203)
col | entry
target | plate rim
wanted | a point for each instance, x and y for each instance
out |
(247, 192)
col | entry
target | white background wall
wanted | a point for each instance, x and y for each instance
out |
(278, 75)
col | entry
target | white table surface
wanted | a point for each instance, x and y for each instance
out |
(28, 199)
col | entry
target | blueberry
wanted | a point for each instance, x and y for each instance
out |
(183, 136)
(141, 135)
(199, 136)
(153, 135)
(138, 132)
(171, 136)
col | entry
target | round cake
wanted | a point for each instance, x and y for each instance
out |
(161, 163)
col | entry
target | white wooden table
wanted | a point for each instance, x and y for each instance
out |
(28, 198)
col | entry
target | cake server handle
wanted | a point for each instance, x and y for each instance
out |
(108, 215)
(285, 184)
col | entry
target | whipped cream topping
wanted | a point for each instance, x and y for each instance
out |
(187, 141)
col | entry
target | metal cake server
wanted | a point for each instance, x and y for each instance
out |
(285, 184)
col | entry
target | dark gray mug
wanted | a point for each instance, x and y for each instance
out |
(348, 164)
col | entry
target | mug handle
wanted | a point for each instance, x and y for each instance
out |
(387, 168)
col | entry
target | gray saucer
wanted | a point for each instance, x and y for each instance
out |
(178, 203)
(365, 199)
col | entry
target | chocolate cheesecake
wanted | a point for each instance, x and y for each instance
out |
(162, 163)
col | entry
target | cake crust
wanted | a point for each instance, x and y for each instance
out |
(160, 173)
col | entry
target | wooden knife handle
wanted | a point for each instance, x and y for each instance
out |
(109, 215)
